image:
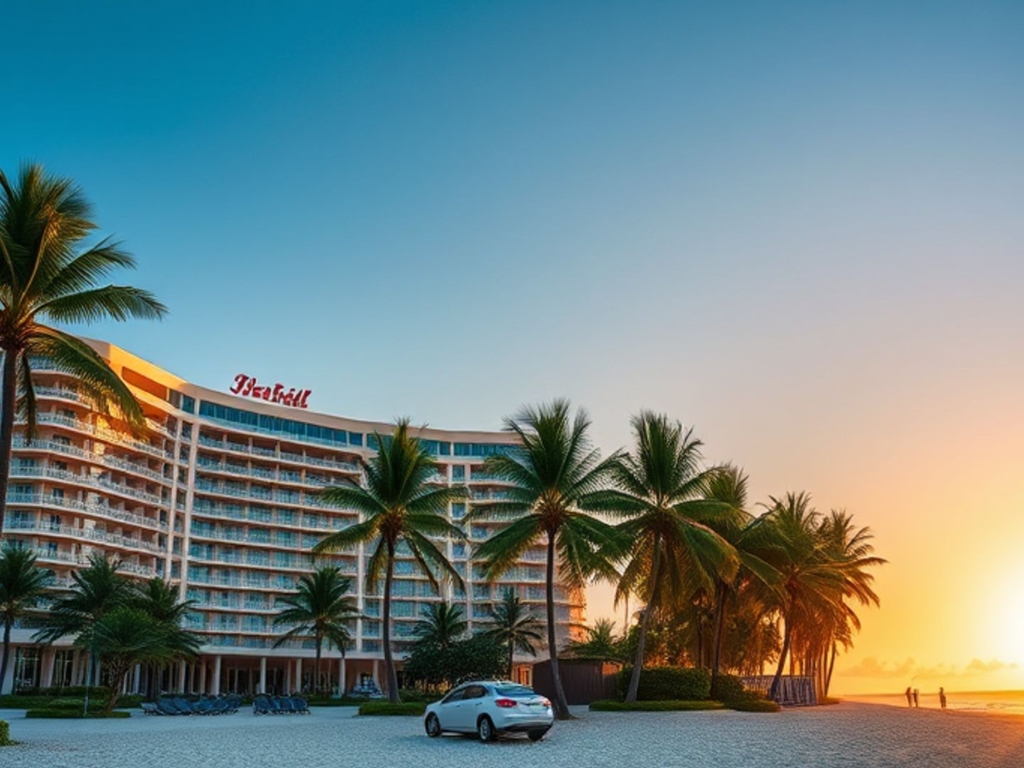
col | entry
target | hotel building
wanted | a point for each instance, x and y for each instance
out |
(222, 498)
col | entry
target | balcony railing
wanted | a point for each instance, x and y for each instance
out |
(108, 435)
(90, 534)
(38, 499)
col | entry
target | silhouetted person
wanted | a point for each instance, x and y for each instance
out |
(942, 697)
(916, 704)
(910, 699)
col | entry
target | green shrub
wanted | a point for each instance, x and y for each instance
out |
(413, 694)
(71, 714)
(754, 705)
(655, 706)
(99, 691)
(408, 708)
(668, 684)
(728, 688)
(5, 734)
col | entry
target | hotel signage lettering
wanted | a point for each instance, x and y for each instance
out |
(246, 386)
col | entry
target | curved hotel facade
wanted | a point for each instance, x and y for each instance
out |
(222, 498)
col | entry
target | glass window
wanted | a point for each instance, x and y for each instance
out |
(458, 473)
(455, 695)
(188, 404)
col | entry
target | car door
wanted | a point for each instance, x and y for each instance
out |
(448, 709)
(471, 706)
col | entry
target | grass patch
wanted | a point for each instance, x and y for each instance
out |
(5, 734)
(655, 706)
(406, 708)
(753, 705)
(72, 714)
(37, 701)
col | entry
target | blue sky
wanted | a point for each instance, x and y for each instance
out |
(794, 225)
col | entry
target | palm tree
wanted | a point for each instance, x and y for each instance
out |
(601, 643)
(398, 504)
(128, 636)
(554, 475)
(513, 625)
(97, 590)
(749, 536)
(442, 624)
(160, 599)
(662, 488)
(22, 586)
(810, 582)
(321, 607)
(46, 275)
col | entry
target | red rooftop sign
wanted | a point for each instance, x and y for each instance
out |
(246, 387)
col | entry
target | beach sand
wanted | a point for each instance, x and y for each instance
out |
(846, 735)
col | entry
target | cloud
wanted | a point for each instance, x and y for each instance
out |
(872, 667)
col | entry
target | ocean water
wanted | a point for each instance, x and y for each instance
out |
(995, 702)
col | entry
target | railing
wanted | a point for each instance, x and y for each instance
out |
(38, 499)
(21, 470)
(91, 534)
(298, 458)
(108, 435)
(73, 559)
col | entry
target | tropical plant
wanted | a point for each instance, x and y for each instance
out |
(553, 476)
(428, 665)
(321, 607)
(160, 599)
(47, 274)
(127, 636)
(662, 490)
(96, 591)
(23, 585)
(600, 644)
(399, 504)
(513, 624)
(441, 623)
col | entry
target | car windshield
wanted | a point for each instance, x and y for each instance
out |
(513, 690)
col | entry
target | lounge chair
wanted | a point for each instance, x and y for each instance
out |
(300, 705)
(261, 705)
(183, 706)
(166, 707)
(150, 708)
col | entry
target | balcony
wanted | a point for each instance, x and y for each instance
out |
(39, 500)
(88, 534)
(107, 435)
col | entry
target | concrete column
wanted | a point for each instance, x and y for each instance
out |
(342, 682)
(202, 676)
(216, 676)
(263, 675)
(287, 678)
(136, 678)
(49, 659)
(181, 677)
(376, 678)
(298, 675)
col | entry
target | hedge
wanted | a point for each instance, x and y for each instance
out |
(5, 734)
(668, 684)
(408, 708)
(72, 714)
(655, 706)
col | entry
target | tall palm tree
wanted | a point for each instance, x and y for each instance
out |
(662, 489)
(601, 643)
(48, 274)
(127, 636)
(22, 586)
(398, 504)
(321, 607)
(442, 624)
(554, 476)
(97, 590)
(810, 581)
(513, 624)
(750, 536)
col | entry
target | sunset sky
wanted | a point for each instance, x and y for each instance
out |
(796, 226)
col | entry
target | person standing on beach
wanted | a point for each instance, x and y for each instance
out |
(942, 698)
(910, 700)
(916, 703)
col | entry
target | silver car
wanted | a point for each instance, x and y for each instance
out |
(490, 708)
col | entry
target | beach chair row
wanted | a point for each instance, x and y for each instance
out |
(279, 705)
(177, 706)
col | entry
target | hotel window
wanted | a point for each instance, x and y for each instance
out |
(458, 473)
(355, 438)
(458, 511)
(188, 404)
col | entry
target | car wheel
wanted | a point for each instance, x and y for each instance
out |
(485, 729)
(433, 726)
(537, 735)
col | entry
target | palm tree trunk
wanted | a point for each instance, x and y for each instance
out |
(511, 656)
(831, 666)
(721, 593)
(787, 638)
(645, 623)
(389, 659)
(7, 403)
(561, 703)
(316, 667)
(6, 654)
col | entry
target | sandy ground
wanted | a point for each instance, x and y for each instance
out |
(847, 734)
